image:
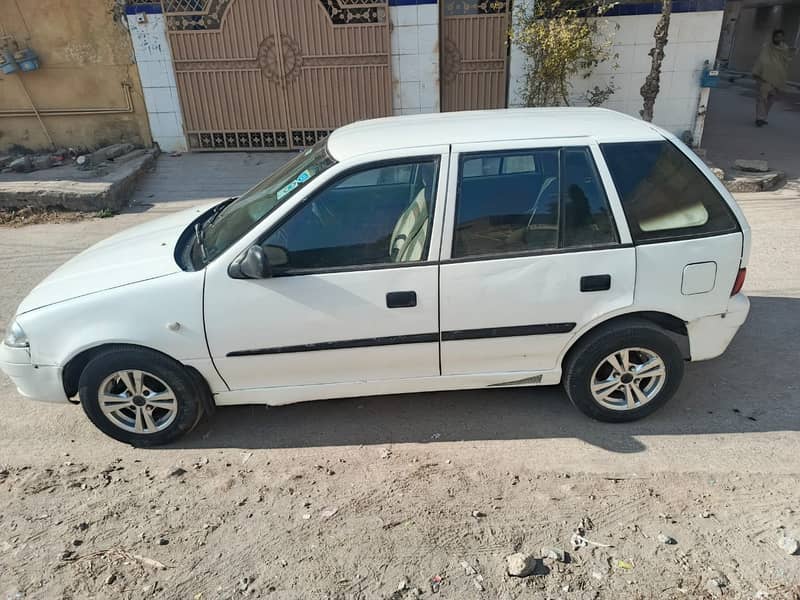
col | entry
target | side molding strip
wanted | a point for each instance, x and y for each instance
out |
(419, 338)
(395, 340)
(501, 332)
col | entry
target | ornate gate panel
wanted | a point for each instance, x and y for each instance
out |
(277, 74)
(474, 53)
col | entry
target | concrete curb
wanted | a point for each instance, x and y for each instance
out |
(755, 182)
(111, 192)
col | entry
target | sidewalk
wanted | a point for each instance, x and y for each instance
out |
(183, 181)
(730, 131)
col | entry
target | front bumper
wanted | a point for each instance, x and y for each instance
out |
(710, 336)
(37, 382)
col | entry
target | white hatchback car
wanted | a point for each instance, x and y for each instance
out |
(449, 251)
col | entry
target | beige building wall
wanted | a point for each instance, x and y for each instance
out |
(87, 89)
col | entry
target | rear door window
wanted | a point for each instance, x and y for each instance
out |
(528, 201)
(665, 196)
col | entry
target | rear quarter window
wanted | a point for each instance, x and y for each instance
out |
(665, 196)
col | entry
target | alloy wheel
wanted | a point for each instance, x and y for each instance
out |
(138, 401)
(628, 379)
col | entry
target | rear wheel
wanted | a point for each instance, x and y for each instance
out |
(623, 372)
(139, 397)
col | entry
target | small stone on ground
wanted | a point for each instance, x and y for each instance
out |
(520, 565)
(666, 539)
(789, 544)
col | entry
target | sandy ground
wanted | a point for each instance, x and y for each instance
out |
(348, 499)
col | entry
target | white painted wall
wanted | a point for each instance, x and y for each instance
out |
(693, 39)
(517, 63)
(156, 71)
(415, 58)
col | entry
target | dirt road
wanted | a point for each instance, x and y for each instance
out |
(348, 499)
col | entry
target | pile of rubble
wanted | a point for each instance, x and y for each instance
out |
(27, 163)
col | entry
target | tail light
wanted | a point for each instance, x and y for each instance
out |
(739, 283)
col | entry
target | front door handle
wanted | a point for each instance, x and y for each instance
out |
(401, 299)
(595, 283)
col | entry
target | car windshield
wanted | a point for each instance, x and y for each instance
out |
(239, 217)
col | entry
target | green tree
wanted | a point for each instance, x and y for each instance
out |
(563, 39)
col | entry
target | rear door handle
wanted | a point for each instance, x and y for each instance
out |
(401, 299)
(595, 283)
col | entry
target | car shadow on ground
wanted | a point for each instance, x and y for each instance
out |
(751, 388)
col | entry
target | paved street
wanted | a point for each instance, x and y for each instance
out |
(735, 423)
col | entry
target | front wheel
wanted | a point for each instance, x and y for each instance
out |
(623, 372)
(139, 397)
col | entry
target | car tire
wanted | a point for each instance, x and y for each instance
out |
(139, 396)
(599, 384)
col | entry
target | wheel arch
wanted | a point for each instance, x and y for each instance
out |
(75, 366)
(673, 326)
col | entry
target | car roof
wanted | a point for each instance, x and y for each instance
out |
(436, 129)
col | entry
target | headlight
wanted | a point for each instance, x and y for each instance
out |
(15, 336)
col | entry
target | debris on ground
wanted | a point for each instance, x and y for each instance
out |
(18, 217)
(554, 554)
(789, 544)
(666, 539)
(436, 583)
(477, 578)
(27, 163)
(520, 565)
(175, 471)
(380, 538)
(24, 164)
(578, 538)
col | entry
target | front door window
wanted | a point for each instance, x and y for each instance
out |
(375, 216)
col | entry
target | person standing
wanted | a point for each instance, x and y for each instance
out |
(770, 72)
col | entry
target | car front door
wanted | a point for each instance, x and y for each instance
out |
(535, 247)
(356, 299)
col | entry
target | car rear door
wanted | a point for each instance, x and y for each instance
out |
(535, 247)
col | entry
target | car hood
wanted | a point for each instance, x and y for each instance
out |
(136, 254)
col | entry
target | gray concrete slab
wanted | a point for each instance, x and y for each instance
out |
(109, 186)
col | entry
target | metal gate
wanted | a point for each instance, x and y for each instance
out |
(474, 53)
(277, 74)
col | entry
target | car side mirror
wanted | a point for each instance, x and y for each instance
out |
(253, 263)
(277, 257)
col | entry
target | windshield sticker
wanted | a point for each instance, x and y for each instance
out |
(300, 179)
(287, 189)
